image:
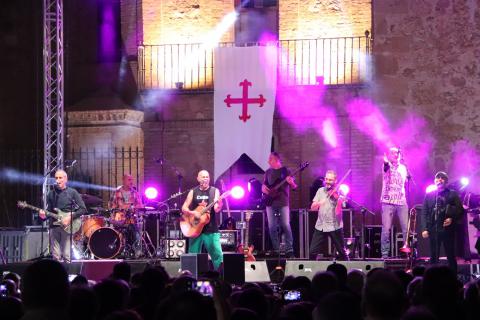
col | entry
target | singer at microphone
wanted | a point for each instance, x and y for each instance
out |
(64, 199)
(440, 212)
(393, 198)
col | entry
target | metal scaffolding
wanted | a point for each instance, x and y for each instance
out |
(53, 99)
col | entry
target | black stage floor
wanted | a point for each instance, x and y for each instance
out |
(258, 271)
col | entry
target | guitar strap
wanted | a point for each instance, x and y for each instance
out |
(211, 194)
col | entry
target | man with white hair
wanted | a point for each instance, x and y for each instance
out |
(68, 200)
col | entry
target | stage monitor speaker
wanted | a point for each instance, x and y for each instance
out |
(256, 271)
(310, 268)
(174, 248)
(196, 263)
(234, 268)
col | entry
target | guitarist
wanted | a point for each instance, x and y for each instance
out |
(65, 199)
(278, 210)
(202, 196)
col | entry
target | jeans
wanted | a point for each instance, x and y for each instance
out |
(60, 244)
(212, 244)
(282, 215)
(388, 210)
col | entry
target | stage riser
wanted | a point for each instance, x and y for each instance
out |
(258, 271)
(310, 268)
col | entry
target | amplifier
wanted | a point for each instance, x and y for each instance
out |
(174, 248)
(229, 240)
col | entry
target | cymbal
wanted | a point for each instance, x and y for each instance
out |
(91, 200)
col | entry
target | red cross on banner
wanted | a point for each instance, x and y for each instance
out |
(243, 117)
(245, 100)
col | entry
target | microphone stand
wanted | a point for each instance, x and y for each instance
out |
(363, 211)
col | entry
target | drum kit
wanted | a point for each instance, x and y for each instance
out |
(115, 233)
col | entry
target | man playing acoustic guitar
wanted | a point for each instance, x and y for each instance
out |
(197, 199)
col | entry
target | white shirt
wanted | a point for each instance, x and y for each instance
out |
(393, 187)
(327, 220)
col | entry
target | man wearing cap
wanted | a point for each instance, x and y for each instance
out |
(393, 199)
(441, 209)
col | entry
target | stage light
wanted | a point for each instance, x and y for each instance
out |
(344, 189)
(151, 193)
(431, 188)
(464, 181)
(238, 192)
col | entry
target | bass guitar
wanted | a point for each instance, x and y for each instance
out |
(273, 193)
(72, 227)
(245, 248)
(191, 225)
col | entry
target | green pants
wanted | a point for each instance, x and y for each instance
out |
(212, 244)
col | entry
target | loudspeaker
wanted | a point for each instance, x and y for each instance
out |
(373, 234)
(310, 268)
(234, 268)
(228, 240)
(256, 271)
(174, 248)
(33, 242)
(196, 263)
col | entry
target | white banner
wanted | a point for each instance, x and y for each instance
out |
(244, 102)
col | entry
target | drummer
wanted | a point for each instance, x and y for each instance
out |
(126, 196)
(123, 205)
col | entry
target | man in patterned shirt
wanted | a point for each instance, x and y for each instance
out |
(126, 195)
(393, 197)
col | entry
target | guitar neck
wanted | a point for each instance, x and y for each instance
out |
(48, 213)
(285, 180)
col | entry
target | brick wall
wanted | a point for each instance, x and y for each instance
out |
(181, 131)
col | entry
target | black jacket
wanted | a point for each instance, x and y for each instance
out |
(439, 206)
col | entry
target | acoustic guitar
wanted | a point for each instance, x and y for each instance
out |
(75, 224)
(245, 248)
(268, 198)
(192, 226)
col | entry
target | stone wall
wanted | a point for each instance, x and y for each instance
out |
(426, 56)
(311, 19)
(106, 144)
(183, 21)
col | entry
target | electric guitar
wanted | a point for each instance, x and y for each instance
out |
(72, 227)
(192, 226)
(245, 248)
(273, 193)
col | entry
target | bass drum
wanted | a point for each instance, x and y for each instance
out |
(106, 243)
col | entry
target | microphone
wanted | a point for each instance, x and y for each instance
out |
(160, 160)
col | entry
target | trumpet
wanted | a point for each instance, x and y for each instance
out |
(409, 238)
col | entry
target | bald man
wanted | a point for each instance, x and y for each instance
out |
(203, 195)
(65, 199)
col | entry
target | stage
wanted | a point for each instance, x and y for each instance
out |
(258, 271)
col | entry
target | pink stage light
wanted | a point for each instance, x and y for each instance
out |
(238, 192)
(431, 188)
(344, 189)
(151, 193)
